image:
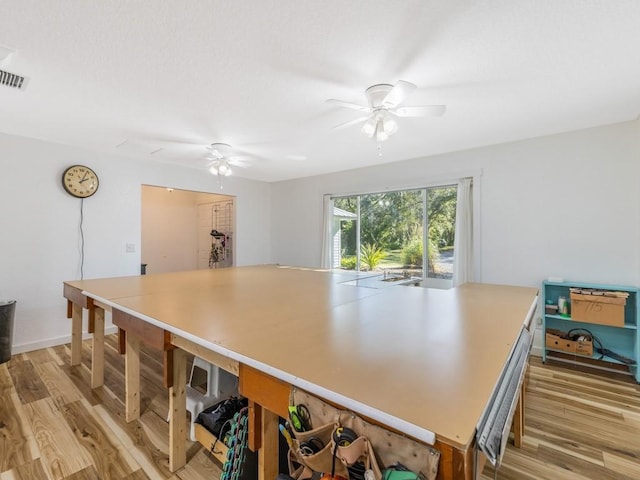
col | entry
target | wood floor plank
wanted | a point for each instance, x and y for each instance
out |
(552, 456)
(588, 375)
(39, 356)
(621, 465)
(570, 446)
(599, 390)
(133, 437)
(26, 381)
(88, 473)
(576, 433)
(59, 386)
(61, 453)
(524, 465)
(589, 417)
(16, 437)
(30, 471)
(90, 434)
(201, 467)
(54, 354)
(5, 379)
(80, 376)
(137, 475)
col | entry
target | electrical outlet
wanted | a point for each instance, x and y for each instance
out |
(131, 248)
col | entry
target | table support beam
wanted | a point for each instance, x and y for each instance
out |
(76, 334)
(268, 453)
(178, 412)
(518, 419)
(132, 378)
(97, 349)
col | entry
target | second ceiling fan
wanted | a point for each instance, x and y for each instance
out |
(385, 102)
(221, 160)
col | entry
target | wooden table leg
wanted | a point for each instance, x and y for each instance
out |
(97, 349)
(132, 378)
(76, 334)
(268, 462)
(178, 412)
(518, 419)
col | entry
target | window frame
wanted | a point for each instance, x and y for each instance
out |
(435, 181)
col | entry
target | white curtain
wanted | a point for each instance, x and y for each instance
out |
(327, 237)
(463, 247)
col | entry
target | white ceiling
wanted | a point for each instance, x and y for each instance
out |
(177, 75)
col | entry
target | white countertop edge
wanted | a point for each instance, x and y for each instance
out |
(410, 429)
(528, 321)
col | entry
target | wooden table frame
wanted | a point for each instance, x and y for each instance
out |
(268, 396)
(76, 301)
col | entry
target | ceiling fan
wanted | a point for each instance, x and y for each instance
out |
(221, 160)
(385, 102)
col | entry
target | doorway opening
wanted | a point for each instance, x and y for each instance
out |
(186, 230)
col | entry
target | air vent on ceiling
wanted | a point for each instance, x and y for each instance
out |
(12, 80)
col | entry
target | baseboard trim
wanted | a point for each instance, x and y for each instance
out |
(54, 342)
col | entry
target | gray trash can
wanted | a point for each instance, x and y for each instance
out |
(7, 312)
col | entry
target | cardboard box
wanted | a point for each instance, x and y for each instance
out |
(584, 347)
(598, 309)
(556, 340)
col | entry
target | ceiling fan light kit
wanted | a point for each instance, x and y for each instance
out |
(219, 154)
(381, 125)
(220, 167)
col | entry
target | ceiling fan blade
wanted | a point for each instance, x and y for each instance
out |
(420, 111)
(351, 122)
(398, 93)
(219, 150)
(354, 106)
(238, 163)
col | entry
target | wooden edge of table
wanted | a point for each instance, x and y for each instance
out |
(225, 363)
(152, 335)
(74, 295)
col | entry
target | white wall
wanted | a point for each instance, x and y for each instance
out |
(565, 205)
(39, 243)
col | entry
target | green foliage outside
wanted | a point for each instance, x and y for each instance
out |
(371, 255)
(393, 222)
(349, 263)
(412, 253)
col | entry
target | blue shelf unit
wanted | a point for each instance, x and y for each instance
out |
(623, 340)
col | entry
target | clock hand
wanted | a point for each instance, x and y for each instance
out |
(84, 178)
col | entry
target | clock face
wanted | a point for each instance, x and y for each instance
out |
(80, 181)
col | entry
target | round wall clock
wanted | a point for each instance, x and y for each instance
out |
(80, 181)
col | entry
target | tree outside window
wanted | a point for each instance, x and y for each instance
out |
(387, 232)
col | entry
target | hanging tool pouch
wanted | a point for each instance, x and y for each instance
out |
(371, 448)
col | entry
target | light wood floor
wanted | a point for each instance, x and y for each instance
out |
(53, 426)
(578, 425)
